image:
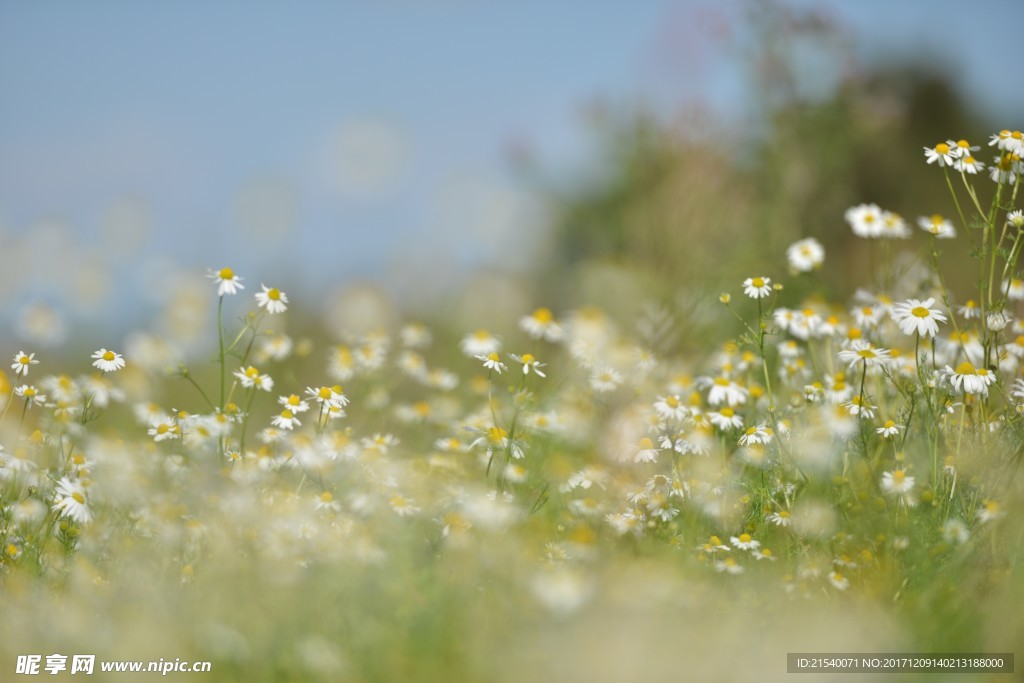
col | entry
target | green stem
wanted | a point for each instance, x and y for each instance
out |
(220, 343)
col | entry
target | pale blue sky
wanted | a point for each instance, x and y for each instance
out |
(377, 132)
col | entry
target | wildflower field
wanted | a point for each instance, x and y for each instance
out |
(558, 501)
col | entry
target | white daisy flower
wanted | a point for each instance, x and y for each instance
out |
(897, 482)
(990, 511)
(671, 408)
(541, 324)
(725, 418)
(782, 518)
(893, 226)
(865, 220)
(480, 343)
(492, 362)
(21, 362)
(761, 434)
(107, 361)
(937, 225)
(272, 299)
(325, 501)
(529, 363)
(970, 310)
(1007, 141)
(968, 164)
(163, 429)
(1014, 289)
(646, 452)
(1016, 219)
(603, 380)
(332, 396)
(941, 153)
(862, 351)
(889, 429)
(805, 255)
(728, 566)
(839, 581)
(757, 287)
(745, 542)
(293, 403)
(858, 406)
(250, 378)
(285, 420)
(31, 395)
(724, 390)
(226, 280)
(70, 501)
(1004, 169)
(961, 148)
(967, 379)
(917, 317)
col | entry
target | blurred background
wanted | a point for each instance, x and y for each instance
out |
(466, 158)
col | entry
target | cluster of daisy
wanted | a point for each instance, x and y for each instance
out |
(959, 155)
(810, 443)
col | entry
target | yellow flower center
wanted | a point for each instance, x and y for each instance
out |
(889, 424)
(324, 393)
(543, 315)
(226, 274)
(493, 357)
(496, 435)
(963, 144)
(481, 335)
(274, 294)
(899, 476)
(293, 400)
(745, 538)
(920, 312)
(942, 148)
(969, 160)
(757, 282)
(965, 368)
(30, 392)
(108, 356)
(24, 360)
(79, 498)
(727, 412)
(326, 497)
(1016, 135)
(251, 372)
(162, 429)
(287, 414)
(528, 358)
(646, 444)
(866, 353)
(672, 402)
